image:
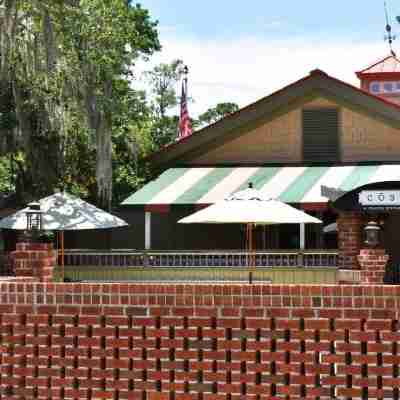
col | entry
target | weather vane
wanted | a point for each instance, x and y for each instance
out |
(389, 37)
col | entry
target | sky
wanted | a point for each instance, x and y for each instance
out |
(241, 51)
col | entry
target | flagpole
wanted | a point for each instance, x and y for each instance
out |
(185, 79)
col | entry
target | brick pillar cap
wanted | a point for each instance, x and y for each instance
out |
(372, 251)
(34, 246)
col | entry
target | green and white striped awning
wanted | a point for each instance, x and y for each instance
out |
(179, 186)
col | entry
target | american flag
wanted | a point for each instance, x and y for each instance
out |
(185, 126)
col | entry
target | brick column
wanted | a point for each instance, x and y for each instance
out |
(350, 226)
(35, 260)
(373, 263)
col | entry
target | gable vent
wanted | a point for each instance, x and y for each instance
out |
(320, 135)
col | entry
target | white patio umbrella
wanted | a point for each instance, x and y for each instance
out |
(249, 207)
(64, 212)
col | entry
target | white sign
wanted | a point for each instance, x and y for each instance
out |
(382, 198)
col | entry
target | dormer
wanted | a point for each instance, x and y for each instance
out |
(382, 79)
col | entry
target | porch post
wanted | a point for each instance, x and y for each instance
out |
(147, 230)
(302, 236)
(349, 225)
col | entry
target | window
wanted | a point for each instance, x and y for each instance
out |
(388, 87)
(289, 236)
(320, 135)
(384, 87)
(375, 87)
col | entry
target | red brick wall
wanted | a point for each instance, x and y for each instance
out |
(373, 264)
(34, 260)
(205, 342)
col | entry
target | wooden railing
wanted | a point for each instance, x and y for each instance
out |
(282, 258)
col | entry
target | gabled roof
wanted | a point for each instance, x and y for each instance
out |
(316, 82)
(389, 64)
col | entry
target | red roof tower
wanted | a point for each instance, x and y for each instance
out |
(382, 78)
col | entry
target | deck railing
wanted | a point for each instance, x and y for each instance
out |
(132, 258)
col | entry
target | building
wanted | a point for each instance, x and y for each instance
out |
(299, 144)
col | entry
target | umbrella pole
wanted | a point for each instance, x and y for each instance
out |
(62, 254)
(253, 247)
(58, 250)
(250, 262)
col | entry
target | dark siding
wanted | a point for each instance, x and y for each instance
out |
(321, 135)
(130, 237)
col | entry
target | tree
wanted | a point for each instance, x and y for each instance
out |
(214, 114)
(163, 80)
(28, 124)
(124, 32)
(131, 144)
(64, 69)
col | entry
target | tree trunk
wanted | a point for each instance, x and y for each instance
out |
(100, 123)
(104, 163)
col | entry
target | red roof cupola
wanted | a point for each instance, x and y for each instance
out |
(382, 78)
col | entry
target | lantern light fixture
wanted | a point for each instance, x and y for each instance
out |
(34, 217)
(372, 234)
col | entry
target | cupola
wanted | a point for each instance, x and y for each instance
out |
(382, 78)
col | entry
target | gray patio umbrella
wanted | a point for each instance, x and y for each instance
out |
(64, 212)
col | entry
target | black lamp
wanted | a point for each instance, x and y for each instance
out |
(34, 217)
(372, 234)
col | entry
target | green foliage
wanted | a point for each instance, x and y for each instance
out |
(112, 35)
(65, 72)
(46, 237)
(163, 80)
(69, 116)
(216, 113)
(164, 131)
(6, 176)
(8, 120)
